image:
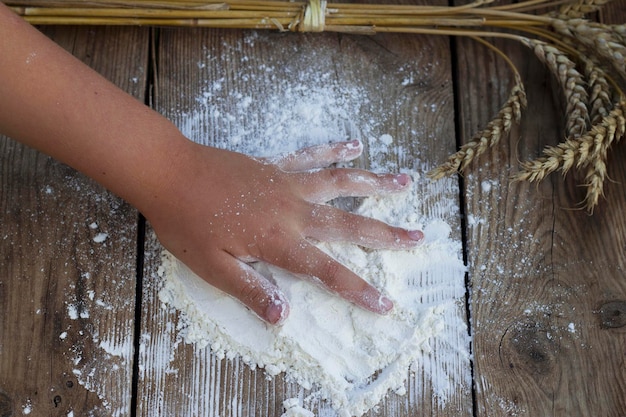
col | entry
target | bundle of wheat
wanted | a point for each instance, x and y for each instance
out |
(587, 58)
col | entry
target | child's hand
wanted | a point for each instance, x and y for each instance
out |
(223, 209)
(213, 209)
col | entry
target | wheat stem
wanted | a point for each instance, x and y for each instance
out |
(587, 58)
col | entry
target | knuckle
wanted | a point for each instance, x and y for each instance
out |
(331, 274)
(288, 162)
(253, 294)
(279, 248)
(275, 231)
(336, 175)
(395, 234)
(393, 237)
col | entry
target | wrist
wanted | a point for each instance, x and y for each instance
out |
(149, 171)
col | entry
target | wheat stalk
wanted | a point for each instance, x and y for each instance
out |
(586, 58)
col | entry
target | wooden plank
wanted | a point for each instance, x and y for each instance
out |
(67, 294)
(407, 76)
(541, 269)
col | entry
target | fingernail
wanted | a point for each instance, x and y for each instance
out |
(416, 235)
(353, 144)
(386, 304)
(402, 180)
(277, 311)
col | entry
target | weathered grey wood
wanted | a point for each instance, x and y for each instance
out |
(541, 269)
(66, 301)
(179, 379)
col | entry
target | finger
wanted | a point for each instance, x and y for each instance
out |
(248, 286)
(331, 183)
(319, 156)
(310, 261)
(330, 224)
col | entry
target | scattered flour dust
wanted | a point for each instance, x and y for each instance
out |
(350, 357)
(354, 357)
(293, 409)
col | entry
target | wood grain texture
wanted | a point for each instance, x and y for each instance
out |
(405, 77)
(67, 301)
(543, 272)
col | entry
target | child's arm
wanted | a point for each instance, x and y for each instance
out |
(213, 209)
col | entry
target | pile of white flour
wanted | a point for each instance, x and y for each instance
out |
(352, 357)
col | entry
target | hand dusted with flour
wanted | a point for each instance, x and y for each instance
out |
(333, 349)
(51, 101)
(346, 354)
(256, 211)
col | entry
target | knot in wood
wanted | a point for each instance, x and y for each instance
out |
(613, 314)
(313, 17)
(531, 349)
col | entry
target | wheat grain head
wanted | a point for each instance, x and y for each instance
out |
(500, 126)
(571, 81)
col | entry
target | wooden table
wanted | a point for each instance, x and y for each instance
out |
(84, 334)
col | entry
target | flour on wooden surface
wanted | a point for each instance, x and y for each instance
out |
(352, 356)
(341, 353)
(294, 409)
(28, 407)
(96, 343)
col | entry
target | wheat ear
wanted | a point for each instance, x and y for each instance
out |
(500, 126)
(579, 8)
(598, 81)
(611, 129)
(605, 40)
(599, 90)
(571, 82)
(620, 32)
(562, 156)
(588, 151)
